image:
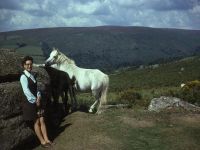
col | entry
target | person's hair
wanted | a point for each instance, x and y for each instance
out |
(26, 58)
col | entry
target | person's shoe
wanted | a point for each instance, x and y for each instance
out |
(46, 145)
(51, 143)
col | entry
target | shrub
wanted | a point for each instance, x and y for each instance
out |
(190, 92)
(171, 93)
(129, 96)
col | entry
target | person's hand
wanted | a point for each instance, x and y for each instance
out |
(38, 101)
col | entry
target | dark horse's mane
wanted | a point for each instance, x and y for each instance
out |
(61, 85)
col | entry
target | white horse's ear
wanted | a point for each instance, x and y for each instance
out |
(53, 48)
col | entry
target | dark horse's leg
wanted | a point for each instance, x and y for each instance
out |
(55, 96)
(73, 98)
(64, 100)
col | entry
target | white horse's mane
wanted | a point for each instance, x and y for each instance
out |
(62, 57)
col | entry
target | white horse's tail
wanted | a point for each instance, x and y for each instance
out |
(103, 98)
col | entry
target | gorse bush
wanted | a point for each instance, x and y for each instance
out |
(190, 92)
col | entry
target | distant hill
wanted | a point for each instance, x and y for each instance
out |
(106, 47)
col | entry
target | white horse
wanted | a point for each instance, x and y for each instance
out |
(92, 79)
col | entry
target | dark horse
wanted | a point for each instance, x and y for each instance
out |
(61, 85)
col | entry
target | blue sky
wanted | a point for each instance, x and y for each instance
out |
(29, 14)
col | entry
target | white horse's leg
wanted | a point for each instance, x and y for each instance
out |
(92, 107)
(99, 108)
(97, 96)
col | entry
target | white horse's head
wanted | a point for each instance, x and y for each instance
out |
(53, 58)
(57, 57)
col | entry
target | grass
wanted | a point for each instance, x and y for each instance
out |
(30, 50)
(144, 130)
(34, 51)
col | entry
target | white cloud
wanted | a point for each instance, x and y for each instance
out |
(196, 10)
(47, 13)
(30, 6)
(126, 3)
(88, 8)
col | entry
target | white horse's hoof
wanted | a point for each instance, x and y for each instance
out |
(90, 110)
(98, 112)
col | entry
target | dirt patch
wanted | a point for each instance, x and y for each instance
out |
(83, 133)
(135, 123)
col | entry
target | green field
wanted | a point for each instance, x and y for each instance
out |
(33, 51)
(166, 75)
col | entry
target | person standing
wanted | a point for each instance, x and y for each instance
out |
(33, 114)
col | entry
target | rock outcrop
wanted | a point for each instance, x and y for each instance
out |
(10, 65)
(162, 103)
(13, 130)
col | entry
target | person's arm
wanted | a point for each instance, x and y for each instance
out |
(24, 82)
(38, 94)
(38, 100)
